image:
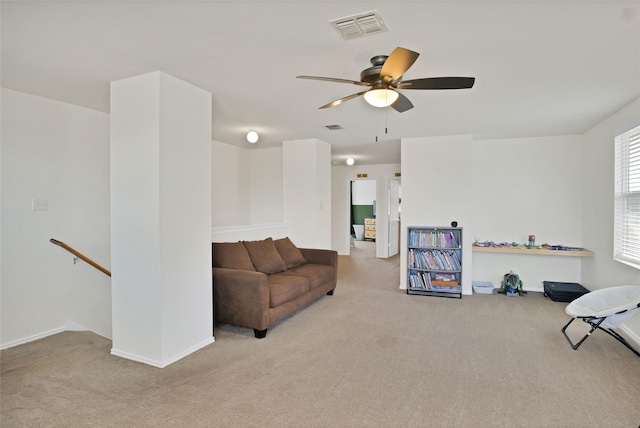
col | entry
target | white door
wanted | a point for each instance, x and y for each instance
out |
(394, 218)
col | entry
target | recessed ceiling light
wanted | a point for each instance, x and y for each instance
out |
(350, 161)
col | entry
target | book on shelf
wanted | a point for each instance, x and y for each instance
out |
(445, 276)
(420, 280)
(434, 259)
(420, 238)
(444, 283)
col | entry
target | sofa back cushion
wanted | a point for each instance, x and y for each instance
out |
(265, 256)
(290, 254)
(231, 255)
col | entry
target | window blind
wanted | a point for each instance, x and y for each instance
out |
(626, 246)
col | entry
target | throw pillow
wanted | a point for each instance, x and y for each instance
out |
(264, 256)
(289, 253)
(231, 255)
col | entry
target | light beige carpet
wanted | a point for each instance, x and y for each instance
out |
(369, 356)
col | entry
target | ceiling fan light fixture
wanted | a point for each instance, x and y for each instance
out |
(381, 97)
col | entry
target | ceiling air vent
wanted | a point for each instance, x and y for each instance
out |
(334, 127)
(362, 24)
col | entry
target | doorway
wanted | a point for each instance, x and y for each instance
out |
(363, 210)
(394, 196)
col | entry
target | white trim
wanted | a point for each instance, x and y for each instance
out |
(162, 364)
(246, 227)
(72, 326)
(33, 338)
(249, 232)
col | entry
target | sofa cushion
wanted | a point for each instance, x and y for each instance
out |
(265, 256)
(231, 255)
(316, 274)
(290, 254)
(284, 288)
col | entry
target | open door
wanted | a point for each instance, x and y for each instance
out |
(394, 217)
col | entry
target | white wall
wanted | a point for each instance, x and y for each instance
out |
(527, 186)
(364, 192)
(597, 206)
(249, 232)
(266, 185)
(341, 176)
(59, 152)
(307, 192)
(246, 185)
(160, 218)
(230, 185)
(437, 188)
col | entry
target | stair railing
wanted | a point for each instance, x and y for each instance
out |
(80, 256)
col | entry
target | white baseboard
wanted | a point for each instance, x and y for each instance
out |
(162, 364)
(33, 337)
(630, 334)
(249, 232)
(68, 326)
(72, 326)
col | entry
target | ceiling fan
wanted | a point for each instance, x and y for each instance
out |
(384, 77)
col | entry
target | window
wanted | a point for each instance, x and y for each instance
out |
(626, 245)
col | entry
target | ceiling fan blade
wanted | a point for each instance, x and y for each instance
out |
(333, 79)
(341, 100)
(397, 64)
(438, 83)
(402, 104)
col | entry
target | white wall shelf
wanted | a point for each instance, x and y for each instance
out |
(535, 251)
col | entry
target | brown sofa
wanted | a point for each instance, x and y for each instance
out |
(258, 283)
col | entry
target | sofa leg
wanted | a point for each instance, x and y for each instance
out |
(330, 293)
(260, 334)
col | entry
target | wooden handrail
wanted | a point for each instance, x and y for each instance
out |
(80, 256)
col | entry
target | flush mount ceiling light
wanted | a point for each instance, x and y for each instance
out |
(381, 97)
(350, 161)
(252, 137)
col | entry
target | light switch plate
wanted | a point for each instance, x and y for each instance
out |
(39, 204)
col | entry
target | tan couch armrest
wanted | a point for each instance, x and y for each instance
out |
(241, 298)
(320, 257)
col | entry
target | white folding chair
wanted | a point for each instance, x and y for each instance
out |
(604, 309)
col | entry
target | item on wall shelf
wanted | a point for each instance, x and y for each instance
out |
(532, 241)
(544, 249)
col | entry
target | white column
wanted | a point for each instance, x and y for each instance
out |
(306, 177)
(160, 218)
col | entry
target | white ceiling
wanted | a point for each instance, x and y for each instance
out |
(541, 67)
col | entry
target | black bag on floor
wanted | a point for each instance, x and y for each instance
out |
(563, 291)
